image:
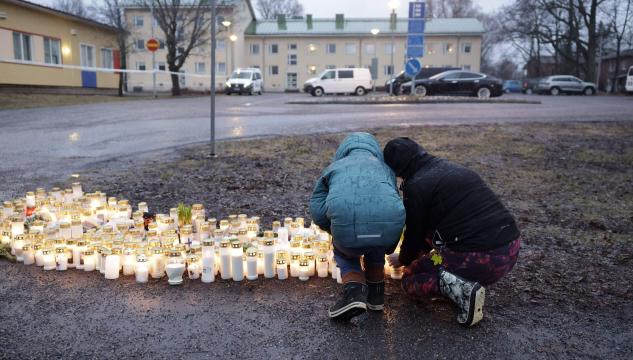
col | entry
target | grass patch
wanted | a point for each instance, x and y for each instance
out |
(13, 101)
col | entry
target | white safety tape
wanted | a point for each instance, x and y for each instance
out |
(23, 62)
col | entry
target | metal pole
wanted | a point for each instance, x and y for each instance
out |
(153, 52)
(375, 57)
(393, 14)
(226, 52)
(212, 143)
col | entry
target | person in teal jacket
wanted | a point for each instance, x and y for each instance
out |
(356, 200)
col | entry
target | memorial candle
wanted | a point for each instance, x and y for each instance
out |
(321, 266)
(242, 235)
(251, 232)
(203, 231)
(68, 197)
(208, 261)
(39, 226)
(38, 249)
(269, 258)
(28, 254)
(141, 268)
(224, 226)
(7, 209)
(294, 228)
(282, 269)
(128, 260)
(30, 198)
(186, 237)
(157, 263)
(175, 267)
(237, 265)
(193, 266)
(18, 243)
(260, 262)
(61, 257)
(77, 191)
(71, 245)
(276, 226)
(218, 235)
(225, 259)
(309, 256)
(88, 258)
(242, 219)
(104, 255)
(288, 223)
(396, 272)
(295, 257)
(65, 231)
(6, 237)
(112, 264)
(251, 263)
(303, 270)
(48, 255)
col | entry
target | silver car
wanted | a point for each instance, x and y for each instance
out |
(565, 84)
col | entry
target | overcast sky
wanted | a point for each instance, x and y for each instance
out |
(352, 8)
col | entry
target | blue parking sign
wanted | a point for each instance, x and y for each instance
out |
(415, 51)
(416, 26)
(416, 10)
(415, 40)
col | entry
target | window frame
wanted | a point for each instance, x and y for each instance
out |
(373, 51)
(50, 50)
(290, 60)
(392, 48)
(139, 64)
(391, 67)
(158, 64)
(217, 68)
(445, 49)
(292, 47)
(136, 18)
(270, 70)
(464, 48)
(270, 49)
(94, 55)
(136, 42)
(466, 66)
(103, 49)
(612, 66)
(330, 67)
(218, 42)
(251, 49)
(347, 46)
(327, 49)
(161, 44)
(22, 35)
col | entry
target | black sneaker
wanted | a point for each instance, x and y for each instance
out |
(376, 296)
(352, 304)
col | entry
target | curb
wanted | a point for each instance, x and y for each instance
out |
(426, 100)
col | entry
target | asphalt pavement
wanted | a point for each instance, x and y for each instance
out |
(41, 147)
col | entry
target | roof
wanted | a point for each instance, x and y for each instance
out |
(362, 26)
(60, 13)
(139, 4)
(623, 53)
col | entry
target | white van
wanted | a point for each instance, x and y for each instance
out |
(629, 82)
(245, 81)
(332, 81)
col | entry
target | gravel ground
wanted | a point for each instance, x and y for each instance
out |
(569, 296)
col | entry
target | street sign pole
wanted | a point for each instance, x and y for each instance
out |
(151, 24)
(212, 143)
(415, 39)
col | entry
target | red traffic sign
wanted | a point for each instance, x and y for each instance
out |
(152, 44)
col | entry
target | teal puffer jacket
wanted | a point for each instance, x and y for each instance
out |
(356, 199)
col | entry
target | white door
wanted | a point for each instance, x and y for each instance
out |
(292, 81)
(328, 82)
(182, 79)
(346, 83)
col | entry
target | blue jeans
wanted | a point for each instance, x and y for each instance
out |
(348, 259)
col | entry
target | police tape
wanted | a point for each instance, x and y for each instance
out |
(105, 70)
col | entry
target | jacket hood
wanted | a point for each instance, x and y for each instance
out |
(405, 157)
(359, 141)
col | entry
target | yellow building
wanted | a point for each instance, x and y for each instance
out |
(36, 42)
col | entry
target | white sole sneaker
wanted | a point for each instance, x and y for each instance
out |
(477, 305)
(348, 311)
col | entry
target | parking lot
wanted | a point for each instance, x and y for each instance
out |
(61, 140)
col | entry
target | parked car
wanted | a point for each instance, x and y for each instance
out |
(511, 86)
(565, 84)
(468, 83)
(245, 81)
(402, 77)
(629, 82)
(332, 81)
(530, 86)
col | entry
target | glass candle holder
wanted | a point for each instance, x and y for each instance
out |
(71, 245)
(224, 226)
(396, 272)
(82, 245)
(142, 206)
(218, 235)
(311, 265)
(113, 264)
(77, 191)
(294, 228)
(333, 265)
(28, 254)
(193, 266)
(128, 208)
(68, 197)
(76, 230)
(288, 223)
(186, 237)
(18, 243)
(157, 262)
(39, 226)
(175, 267)
(208, 260)
(237, 266)
(7, 209)
(242, 219)
(306, 247)
(269, 258)
(303, 270)
(141, 268)
(104, 255)
(225, 259)
(321, 266)
(260, 261)
(276, 226)
(61, 257)
(65, 230)
(6, 237)
(295, 257)
(38, 253)
(204, 231)
(128, 260)
(282, 269)
(251, 263)
(301, 222)
(88, 259)
(48, 256)
(282, 254)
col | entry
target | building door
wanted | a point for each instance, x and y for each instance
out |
(292, 81)
(182, 79)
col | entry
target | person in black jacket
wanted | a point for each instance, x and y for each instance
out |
(459, 237)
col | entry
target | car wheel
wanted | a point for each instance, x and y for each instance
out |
(483, 93)
(318, 92)
(554, 91)
(507, 91)
(228, 93)
(420, 90)
(589, 91)
(528, 91)
(260, 92)
(360, 91)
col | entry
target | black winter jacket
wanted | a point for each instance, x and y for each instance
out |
(448, 201)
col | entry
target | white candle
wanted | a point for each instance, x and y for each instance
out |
(333, 264)
(174, 272)
(295, 257)
(282, 269)
(77, 191)
(251, 263)
(49, 259)
(88, 260)
(321, 266)
(303, 270)
(141, 268)
(76, 229)
(39, 256)
(142, 275)
(225, 259)
(311, 266)
(269, 258)
(396, 273)
(28, 254)
(260, 262)
(62, 259)
(193, 270)
(237, 260)
(158, 262)
(104, 254)
(338, 275)
(112, 264)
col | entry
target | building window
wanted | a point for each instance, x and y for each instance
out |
(389, 49)
(156, 23)
(161, 44)
(220, 44)
(292, 59)
(430, 48)
(447, 66)
(218, 20)
(200, 21)
(350, 66)
(466, 67)
(448, 48)
(180, 34)
(273, 49)
(254, 49)
(370, 49)
(330, 48)
(106, 59)
(138, 21)
(51, 51)
(312, 70)
(140, 66)
(220, 68)
(273, 70)
(330, 66)
(161, 66)
(292, 46)
(467, 48)
(623, 65)
(389, 70)
(312, 49)
(201, 67)
(139, 44)
(612, 66)
(350, 49)
(22, 47)
(87, 53)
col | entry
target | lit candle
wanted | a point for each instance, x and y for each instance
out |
(125, 208)
(203, 231)
(175, 267)
(260, 262)
(28, 254)
(306, 247)
(282, 254)
(142, 206)
(49, 259)
(98, 258)
(396, 272)
(269, 258)
(251, 263)
(303, 270)
(237, 254)
(225, 259)
(30, 198)
(73, 259)
(294, 228)
(18, 243)
(321, 266)
(61, 258)
(311, 266)
(141, 268)
(128, 260)
(7, 209)
(6, 237)
(157, 262)
(68, 197)
(104, 255)
(276, 226)
(193, 266)
(113, 264)
(295, 257)
(224, 226)
(197, 209)
(38, 249)
(333, 265)
(301, 222)
(252, 229)
(77, 191)
(186, 237)
(288, 223)
(208, 261)
(242, 235)
(88, 258)
(338, 275)
(65, 231)
(282, 269)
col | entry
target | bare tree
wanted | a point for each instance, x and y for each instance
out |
(619, 15)
(185, 28)
(452, 9)
(110, 12)
(505, 69)
(75, 7)
(269, 9)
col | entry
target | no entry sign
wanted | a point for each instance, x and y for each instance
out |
(152, 44)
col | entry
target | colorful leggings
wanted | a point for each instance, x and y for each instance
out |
(421, 278)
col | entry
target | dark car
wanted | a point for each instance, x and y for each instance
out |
(402, 77)
(468, 83)
(530, 86)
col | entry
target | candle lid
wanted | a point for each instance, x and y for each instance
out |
(295, 244)
(106, 252)
(303, 263)
(298, 238)
(281, 261)
(236, 225)
(47, 251)
(8, 204)
(141, 204)
(204, 226)
(281, 253)
(152, 226)
(232, 218)
(88, 252)
(21, 237)
(59, 241)
(71, 241)
(251, 251)
(242, 217)
(157, 250)
(194, 249)
(61, 250)
(269, 234)
(260, 254)
(309, 255)
(295, 225)
(300, 220)
(124, 202)
(242, 231)
(185, 231)
(38, 246)
(235, 244)
(193, 258)
(276, 223)
(6, 232)
(117, 251)
(26, 247)
(212, 222)
(218, 232)
(322, 258)
(287, 220)
(196, 207)
(76, 184)
(224, 223)
(144, 258)
(129, 251)
(208, 242)
(295, 256)
(251, 221)
(307, 245)
(68, 191)
(256, 218)
(174, 253)
(180, 247)
(16, 218)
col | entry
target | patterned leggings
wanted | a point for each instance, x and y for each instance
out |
(421, 278)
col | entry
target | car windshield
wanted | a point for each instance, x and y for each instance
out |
(631, 71)
(241, 75)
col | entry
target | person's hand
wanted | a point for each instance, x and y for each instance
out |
(393, 260)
